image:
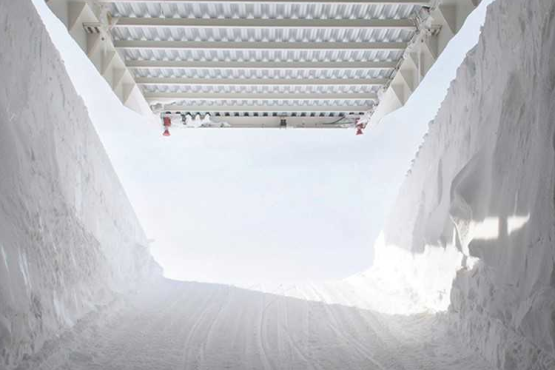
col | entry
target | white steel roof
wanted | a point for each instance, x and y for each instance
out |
(265, 58)
(264, 10)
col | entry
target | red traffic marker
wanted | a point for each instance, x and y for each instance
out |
(359, 128)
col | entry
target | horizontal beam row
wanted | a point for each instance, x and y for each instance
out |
(145, 64)
(259, 81)
(265, 109)
(326, 2)
(291, 122)
(407, 24)
(161, 97)
(220, 45)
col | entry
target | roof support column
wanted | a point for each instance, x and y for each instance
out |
(88, 27)
(428, 53)
(447, 19)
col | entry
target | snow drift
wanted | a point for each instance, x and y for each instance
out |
(482, 186)
(69, 240)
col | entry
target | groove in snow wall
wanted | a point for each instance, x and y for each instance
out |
(483, 182)
(70, 242)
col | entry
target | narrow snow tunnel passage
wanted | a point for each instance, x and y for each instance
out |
(251, 206)
(80, 290)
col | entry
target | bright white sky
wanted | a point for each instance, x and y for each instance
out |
(261, 205)
(231, 205)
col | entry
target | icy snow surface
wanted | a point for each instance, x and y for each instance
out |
(477, 206)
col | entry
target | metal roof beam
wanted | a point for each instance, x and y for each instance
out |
(291, 122)
(204, 45)
(259, 81)
(330, 2)
(145, 64)
(407, 24)
(162, 97)
(265, 109)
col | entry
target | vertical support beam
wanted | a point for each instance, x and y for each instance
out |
(94, 41)
(100, 49)
(446, 14)
(447, 19)
(450, 16)
(409, 70)
(75, 11)
(95, 48)
(108, 58)
(79, 13)
(398, 92)
(127, 90)
(118, 76)
(428, 53)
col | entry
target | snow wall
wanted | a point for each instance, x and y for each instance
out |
(69, 240)
(482, 186)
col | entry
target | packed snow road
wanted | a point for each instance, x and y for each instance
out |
(177, 325)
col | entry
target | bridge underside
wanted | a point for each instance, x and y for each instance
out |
(270, 63)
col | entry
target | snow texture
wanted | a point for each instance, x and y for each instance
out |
(69, 240)
(182, 325)
(483, 185)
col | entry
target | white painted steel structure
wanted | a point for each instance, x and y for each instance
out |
(309, 61)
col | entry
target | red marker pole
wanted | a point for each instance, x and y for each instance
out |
(359, 127)
(167, 124)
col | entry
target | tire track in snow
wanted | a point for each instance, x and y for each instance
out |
(306, 332)
(263, 353)
(196, 326)
(295, 346)
(193, 326)
(349, 339)
(148, 333)
(211, 326)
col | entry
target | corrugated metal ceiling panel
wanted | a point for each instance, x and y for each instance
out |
(263, 10)
(261, 89)
(263, 73)
(274, 103)
(265, 55)
(265, 35)
(282, 113)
